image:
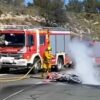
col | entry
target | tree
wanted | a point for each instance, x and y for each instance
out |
(13, 2)
(52, 11)
(41, 3)
(90, 5)
(74, 5)
(30, 4)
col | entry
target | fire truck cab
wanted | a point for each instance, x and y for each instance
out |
(23, 47)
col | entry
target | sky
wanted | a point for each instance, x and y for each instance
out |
(28, 1)
(65, 1)
(31, 1)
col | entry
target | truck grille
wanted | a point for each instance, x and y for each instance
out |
(16, 56)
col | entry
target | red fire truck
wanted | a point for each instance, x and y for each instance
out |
(21, 46)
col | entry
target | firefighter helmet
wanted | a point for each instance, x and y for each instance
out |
(49, 48)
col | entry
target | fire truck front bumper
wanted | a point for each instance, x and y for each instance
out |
(11, 62)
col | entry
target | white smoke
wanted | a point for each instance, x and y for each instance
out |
(84, 64)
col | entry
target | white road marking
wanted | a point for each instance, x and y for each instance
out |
(13, 94)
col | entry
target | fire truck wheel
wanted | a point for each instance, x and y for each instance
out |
(59, 64)
(37, 66)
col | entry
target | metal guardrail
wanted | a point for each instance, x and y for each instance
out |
(27, 27)
(17, 27)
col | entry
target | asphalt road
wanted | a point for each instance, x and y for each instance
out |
(57, 91)
(38, 89)
(10, 88)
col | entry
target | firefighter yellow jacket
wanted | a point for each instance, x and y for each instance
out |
(47, 56)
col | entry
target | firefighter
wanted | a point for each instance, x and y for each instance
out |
(47, 61)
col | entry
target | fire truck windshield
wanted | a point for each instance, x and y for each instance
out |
(12, 39)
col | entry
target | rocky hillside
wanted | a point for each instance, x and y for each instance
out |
(13, 15)
(85, 23)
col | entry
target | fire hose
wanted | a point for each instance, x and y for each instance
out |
(12, 79)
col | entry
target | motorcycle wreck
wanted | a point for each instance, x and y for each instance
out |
(69, 78)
